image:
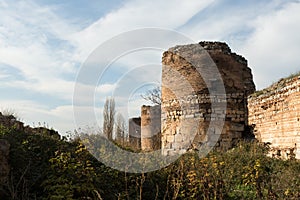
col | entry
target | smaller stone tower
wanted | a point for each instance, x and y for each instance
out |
(135, 133)
(150, 127)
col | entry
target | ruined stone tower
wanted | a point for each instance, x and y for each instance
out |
(134, 131)
(144, 131)
(191, 104)
(150, 127)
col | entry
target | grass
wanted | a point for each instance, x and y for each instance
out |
(9, 112)
(279, 84)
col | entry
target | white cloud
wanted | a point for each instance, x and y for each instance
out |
(273, 49)
(31, 41)
(54, 87)
(3, 4)
(40, 46)
(137, 14)
(223, 21)
(105, 88)
(266, 33)
(33, 113)
(3, 74)
(45, 48)
(61, 118)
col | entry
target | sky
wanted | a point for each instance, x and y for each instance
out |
(44, 45)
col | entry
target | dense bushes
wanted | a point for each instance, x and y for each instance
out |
(241, 173)
(46, 168)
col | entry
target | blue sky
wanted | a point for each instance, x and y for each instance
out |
(43, 45)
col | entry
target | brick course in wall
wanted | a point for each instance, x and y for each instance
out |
(275, 115)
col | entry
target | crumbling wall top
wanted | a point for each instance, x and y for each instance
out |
(210, 47)
(291, 83)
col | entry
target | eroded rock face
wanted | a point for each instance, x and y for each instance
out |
(4, 166)
(187, 100)
(275, 114)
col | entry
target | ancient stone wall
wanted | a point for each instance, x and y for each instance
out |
(150, 127)
(135, 133)
(186, 111)
(12, 122)
(275, 115)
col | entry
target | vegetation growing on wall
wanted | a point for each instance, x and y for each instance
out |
(277, 85)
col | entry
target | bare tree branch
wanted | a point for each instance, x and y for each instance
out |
(154, 96)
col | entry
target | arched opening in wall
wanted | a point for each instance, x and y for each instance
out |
(298, 119)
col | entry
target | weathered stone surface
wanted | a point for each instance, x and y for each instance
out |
(135, 133)
(275, 114)
(188, 110)
(4, 166)
(150, 127)
(187, 105)
(144, 131)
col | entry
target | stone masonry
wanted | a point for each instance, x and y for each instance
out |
(144, 131)
(135, 133)
(275, 114)
(189, 108)
(185, 112)
(150, 128)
